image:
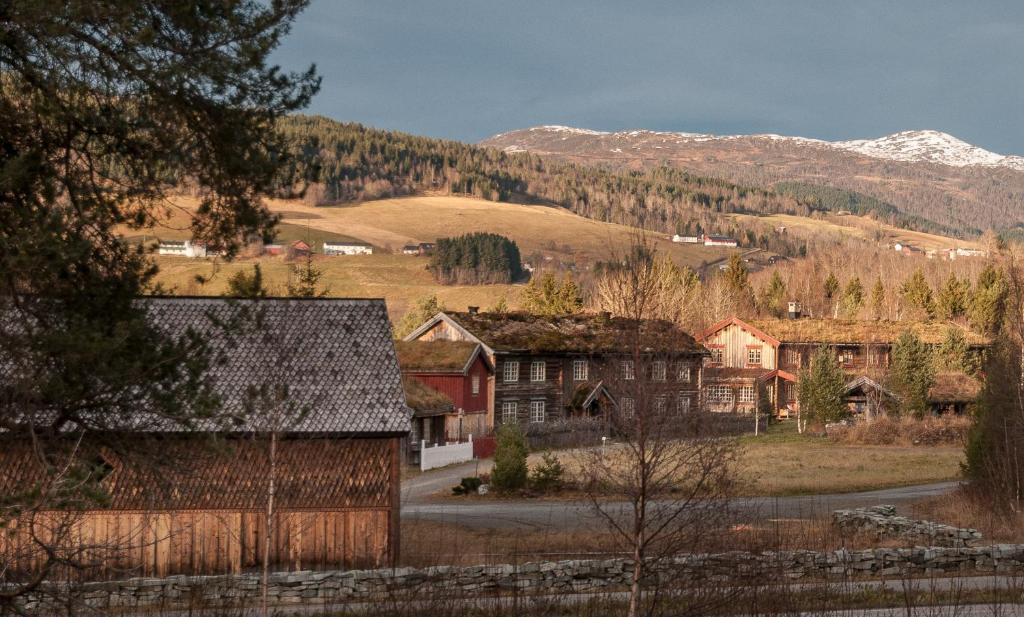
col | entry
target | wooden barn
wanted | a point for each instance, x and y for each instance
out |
(199, 501)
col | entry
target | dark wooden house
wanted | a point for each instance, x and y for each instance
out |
(198, 503)
(548, 368)
(460, 371)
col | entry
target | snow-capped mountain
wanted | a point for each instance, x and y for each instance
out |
(923, 146)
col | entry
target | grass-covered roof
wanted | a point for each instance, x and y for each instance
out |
(838, 331)
(434, 356)
(424, 400)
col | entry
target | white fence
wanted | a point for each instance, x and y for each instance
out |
(439, 456)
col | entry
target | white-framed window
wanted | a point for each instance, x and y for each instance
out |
(537, 411)
(580, 370)
(716, 355)
(719, 394)
(682, 403)
(683, 373)
(511, 371)
(628, 370)
(660, 404)
(538, 370)
(793, 356)
(475, 382)
(753, 356)
(509, 412)
(659, 370)
(846, 357)
(628, 406)
(746, 394)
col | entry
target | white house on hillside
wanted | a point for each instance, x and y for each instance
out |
(183, 248)
(687, 239)
(347, 248)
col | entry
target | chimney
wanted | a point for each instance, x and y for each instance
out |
(473, 310)
(794, 310)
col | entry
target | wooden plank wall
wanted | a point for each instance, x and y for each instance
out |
(207, 542)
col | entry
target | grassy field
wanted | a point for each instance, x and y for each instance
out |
(391, 223)
(860, 227)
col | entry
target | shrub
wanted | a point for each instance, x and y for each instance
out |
(549, 475)
(887, 431)
(468, 486)
(510, 470)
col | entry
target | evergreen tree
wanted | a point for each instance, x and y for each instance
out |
(822, 388)
(510, 470)
(918, 295)
(418, 314)
(774, 296)
(853, 297)
(245, 285)
(304, 282)
(954, 354)
(987, 305)
(911, 373)
(878, 299)
(549, 296)
(831, 286)
(953, 297)
(476, 258)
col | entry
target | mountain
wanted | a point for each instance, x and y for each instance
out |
(927, 174)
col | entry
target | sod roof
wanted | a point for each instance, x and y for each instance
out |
(838, 331)
(424, 400)
(581, 333)
(954, 388)
(435, 356)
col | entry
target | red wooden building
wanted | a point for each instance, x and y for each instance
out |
(458, 370)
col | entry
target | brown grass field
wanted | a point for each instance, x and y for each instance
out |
(391, 223)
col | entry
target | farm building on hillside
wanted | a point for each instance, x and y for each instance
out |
(458, 370)
(549, 368)
(720, 241)
(347, 248)
(182, 248)
(687, 239)
(336, 452)
(299, 248)
(763, 357)
(410, 249)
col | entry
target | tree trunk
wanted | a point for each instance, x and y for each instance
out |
(269, 523)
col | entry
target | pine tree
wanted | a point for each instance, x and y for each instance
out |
(510, 470)
(911, 373)
(953, 297)
(831, 286)
(422, 310)
(853, 297)
(305, 281)
(918, 295)
(243, 285)
(878, 299)
(549, 296)
(774, 296)
(987, 305)
(954, 354)
(822, 388)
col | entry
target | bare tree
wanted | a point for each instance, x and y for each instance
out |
(664, 483)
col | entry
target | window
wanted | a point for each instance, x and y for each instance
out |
(683, 373)
(716, 355)
(580, 370)
(660, 404)
(682, 403)
(511, 371)
(508, 412)
(746, 394)
(793, 357)
(475, 384)
(538, 370)
(846, 357)
(628, 371)
(536, 411)
(719, 394)
(628, 407)
(753, 356)
(658, 370)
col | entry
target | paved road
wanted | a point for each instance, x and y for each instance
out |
(547, 514)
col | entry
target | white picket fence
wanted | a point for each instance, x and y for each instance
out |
(439, 456)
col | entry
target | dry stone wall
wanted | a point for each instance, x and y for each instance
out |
(289, 588)
(885, 523)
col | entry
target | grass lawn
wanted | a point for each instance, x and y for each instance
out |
(783, 462)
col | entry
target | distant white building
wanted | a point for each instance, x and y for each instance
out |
(182, 248)
(962, 252)
(347, 248)
(720, 241)
(687, 239)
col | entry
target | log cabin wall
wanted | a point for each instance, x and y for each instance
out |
(337, 508)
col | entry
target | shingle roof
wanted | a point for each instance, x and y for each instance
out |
(836, 331)
(335, 355)
(580, 333)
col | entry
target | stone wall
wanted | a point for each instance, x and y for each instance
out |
(883, 522)
(288, 588)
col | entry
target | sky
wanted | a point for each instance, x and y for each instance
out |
(467, 69)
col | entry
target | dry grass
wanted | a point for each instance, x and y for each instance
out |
(810, 330)
(964, 509)
(884, 431)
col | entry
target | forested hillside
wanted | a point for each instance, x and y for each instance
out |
(349, 162)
